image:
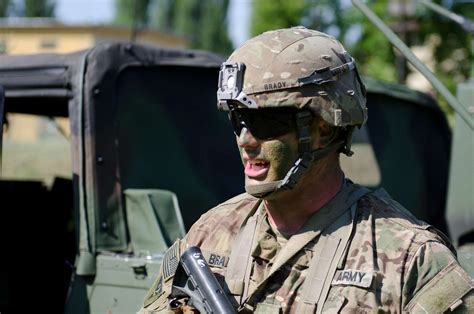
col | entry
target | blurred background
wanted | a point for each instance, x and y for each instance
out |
(62, 26)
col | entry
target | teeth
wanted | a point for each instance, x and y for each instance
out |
(258, 163)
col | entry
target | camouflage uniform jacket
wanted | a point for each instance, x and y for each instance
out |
(392, 263)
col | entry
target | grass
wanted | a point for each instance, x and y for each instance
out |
(40, 161)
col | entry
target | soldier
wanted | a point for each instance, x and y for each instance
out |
(304, 238)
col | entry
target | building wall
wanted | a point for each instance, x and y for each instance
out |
(42, 40)
(64, 39)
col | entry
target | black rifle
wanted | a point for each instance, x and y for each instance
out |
(195, 280)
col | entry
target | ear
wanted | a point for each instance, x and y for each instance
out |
(323, 133)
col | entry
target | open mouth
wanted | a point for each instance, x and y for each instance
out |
(256, 169)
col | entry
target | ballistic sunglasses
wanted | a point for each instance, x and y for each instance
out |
(264, 124)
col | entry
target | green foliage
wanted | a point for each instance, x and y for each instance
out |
(374, 54)
(4, 7)
(132, 12)
(453, 51)
(372, 51)
(187, 15)
(213, 27)
(268, 15)
(204, 23)
(165, 13)
(39, 8)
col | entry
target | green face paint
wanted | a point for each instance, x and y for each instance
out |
(279, 155)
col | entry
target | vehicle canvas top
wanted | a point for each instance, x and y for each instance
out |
(45, 79)
(140, 118)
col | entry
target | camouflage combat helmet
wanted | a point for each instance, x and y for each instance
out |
(297, 68)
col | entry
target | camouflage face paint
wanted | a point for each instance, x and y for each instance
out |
(280, 153)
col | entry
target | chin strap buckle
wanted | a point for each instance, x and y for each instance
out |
(296, 172)
(304, 162)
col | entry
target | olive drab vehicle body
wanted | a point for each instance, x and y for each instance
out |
(150, 153)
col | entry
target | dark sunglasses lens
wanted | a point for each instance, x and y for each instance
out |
(236, 123)
(263, 124)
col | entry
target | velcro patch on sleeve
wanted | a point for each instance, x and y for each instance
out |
(443, 292)
(352, 277)
(170, 261)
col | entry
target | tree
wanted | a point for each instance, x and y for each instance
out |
(268, 15)
(187, 15)
(132, 12)
(204, 23)
(451, 44)
(165, 13)
(454, 49)
(213, 27)
(4, 7)
(39, 8)
(374, 54)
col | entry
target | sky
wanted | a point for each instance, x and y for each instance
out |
(103, 11)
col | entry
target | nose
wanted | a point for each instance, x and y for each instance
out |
(246, 139)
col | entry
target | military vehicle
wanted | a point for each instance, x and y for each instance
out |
(149, 153)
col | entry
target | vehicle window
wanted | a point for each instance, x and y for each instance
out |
(36, 148)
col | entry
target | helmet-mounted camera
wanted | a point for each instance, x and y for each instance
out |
(231, 77)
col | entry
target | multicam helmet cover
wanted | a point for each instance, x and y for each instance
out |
(294, 67)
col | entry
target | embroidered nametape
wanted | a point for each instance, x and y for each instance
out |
(352, 277)
(218, 260)
(215, 259)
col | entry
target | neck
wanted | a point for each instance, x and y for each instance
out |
(289, 210)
